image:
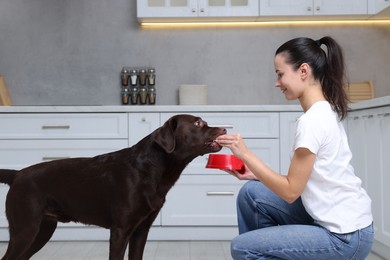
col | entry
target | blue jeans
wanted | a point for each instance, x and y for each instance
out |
(270, 228)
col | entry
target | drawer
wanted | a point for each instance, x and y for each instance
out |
(63, 126)
(249, 125)
(17, 154)
(202, 201)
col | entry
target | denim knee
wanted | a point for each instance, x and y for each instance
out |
(238, 248)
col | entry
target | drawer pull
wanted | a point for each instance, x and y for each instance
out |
(220, 193)
(222, 126)
(52, 158)
(46, 127)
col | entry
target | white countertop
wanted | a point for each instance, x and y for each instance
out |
(372, 103)
(377, 102)
(149, 108)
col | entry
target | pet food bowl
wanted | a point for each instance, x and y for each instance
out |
(225, 162)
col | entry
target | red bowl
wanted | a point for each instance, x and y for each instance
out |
(225, 162)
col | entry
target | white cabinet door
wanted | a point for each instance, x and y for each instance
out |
(340, 7)
(167, 8)
(228, 8)
(142, 124)
(369, 139)
(286, 7)
(312, 7)
(64, 126)
(249, 125)
(376, 6)
(202, 200)
(357, 144)
(196, 8)
(288, 122)
(384, 155)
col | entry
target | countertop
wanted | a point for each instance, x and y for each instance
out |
(377, 102)
(149, 108)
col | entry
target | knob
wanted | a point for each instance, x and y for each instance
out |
(308, 9)
(318, 8)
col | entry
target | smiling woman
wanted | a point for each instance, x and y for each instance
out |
(319, 210)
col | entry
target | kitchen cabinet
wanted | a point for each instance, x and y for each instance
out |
(214, 190)
(312, 7)
(142, 124)
(201, 205)
(27, 139)
(376, 6)
(369, 139)
(288, 121)
(196, 8)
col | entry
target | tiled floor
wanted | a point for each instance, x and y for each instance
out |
(154, 250)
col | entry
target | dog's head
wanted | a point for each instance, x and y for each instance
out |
(188, 135)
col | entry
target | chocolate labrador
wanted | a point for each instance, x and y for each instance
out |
(122, 191)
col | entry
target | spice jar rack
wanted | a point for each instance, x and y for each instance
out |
(138, 86)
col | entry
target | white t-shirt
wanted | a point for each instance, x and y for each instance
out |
(333, 195)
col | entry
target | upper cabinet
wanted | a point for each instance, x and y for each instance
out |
(196, 8)
(380, 9)
(312, 7)
(252, 10)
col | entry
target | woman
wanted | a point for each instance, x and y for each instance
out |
(319, 209)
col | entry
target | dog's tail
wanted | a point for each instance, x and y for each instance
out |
(7, 176)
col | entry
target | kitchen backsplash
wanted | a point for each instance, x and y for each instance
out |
(71, 52)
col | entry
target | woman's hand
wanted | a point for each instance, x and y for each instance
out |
(235, 143)
(246, 175)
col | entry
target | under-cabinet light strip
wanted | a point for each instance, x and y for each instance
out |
(264, 23)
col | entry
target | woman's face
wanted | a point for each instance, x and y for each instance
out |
(288, 80)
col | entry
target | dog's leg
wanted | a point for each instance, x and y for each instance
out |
(21, 239)
(119, 238)
(138, 238)
(46, 231)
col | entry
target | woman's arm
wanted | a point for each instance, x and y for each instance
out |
(288, 187)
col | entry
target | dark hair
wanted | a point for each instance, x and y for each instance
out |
(327, 67)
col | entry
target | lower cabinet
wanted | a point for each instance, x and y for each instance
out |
(201, 205)
(202, 200)
(369, 139)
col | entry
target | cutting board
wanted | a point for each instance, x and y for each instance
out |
(5, 99)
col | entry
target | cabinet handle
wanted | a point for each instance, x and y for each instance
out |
(308, 9)
(193, 10)
(220, 193)
(222, 126)
(51, 158)
(46, 127)
(318, 8)
(355, 118)
(202, 10)
(384, 114)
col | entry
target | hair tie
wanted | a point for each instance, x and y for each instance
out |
(318, 42)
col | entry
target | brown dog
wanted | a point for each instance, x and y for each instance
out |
(122, 191)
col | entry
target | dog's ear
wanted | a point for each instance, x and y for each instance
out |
(165, 135)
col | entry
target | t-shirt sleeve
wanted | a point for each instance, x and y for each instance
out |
(308, 135)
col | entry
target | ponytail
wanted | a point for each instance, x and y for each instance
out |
(333, 80)
(327, 66)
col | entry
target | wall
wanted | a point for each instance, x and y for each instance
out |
(70, 52)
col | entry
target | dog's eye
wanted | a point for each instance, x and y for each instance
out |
(199, 123)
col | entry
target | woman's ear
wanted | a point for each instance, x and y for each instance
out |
(304, 70)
